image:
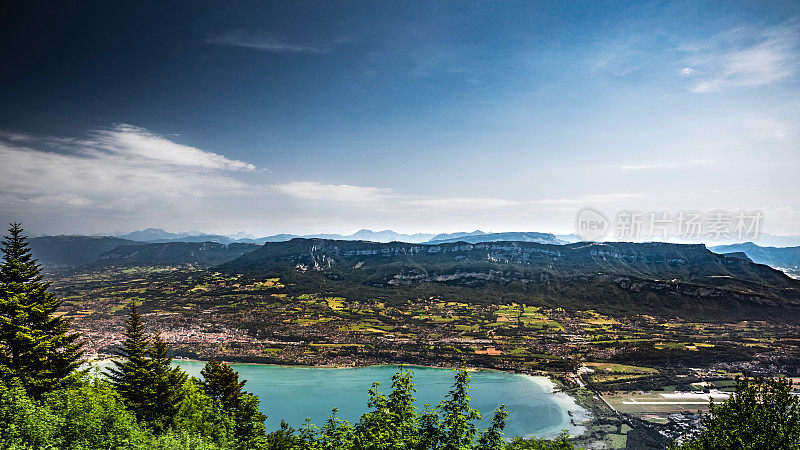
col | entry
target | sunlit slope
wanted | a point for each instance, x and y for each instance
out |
(625, 277)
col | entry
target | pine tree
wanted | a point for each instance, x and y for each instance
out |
(458, 417)
(131, 374)
(221, 382)
(36, 346)
(153, 390)
(168, 385)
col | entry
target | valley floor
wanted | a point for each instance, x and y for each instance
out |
(629, 370)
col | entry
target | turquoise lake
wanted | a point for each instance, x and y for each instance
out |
(295, 393)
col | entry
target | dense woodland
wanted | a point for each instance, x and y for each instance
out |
(143, 402)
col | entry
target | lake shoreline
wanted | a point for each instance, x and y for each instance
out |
(536, 407)
(246, 360)
(579, 414)
(557, 385)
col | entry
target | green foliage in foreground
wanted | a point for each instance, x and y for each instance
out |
(90, 414)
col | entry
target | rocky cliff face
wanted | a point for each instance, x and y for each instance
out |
(651, 259)
(399, 264)
(618, 276)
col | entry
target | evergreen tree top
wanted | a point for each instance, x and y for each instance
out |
(18, 266)
(15, 245)
(134, 348)
(221, 382)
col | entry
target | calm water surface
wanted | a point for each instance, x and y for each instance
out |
(295, 393)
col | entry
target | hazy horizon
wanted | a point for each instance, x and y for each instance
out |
(763, 239)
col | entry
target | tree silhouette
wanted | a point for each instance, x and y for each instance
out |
(36, 347)
(153, 390)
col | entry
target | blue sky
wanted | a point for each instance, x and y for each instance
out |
(416, 116)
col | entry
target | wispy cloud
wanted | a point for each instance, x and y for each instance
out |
(744, 57)
(463, 203)
(118, 169)
(618, 59)
(587, 199)
(663, 165)
(131, 141)
(314, 191)
(273, 44)
(369, 196)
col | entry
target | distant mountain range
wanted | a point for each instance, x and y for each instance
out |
(448, 236)
(159, 235)
(772, 240)
(69, 251)
(786, 259)
(375, 236)
(154, 235)
(478, 236)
